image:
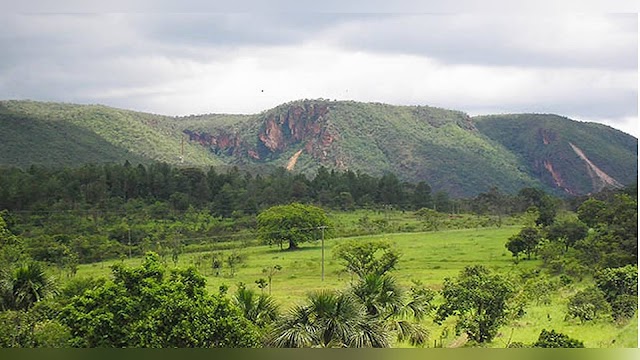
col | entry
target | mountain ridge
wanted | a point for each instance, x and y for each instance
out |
(448, 149)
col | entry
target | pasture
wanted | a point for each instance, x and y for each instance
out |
(429, 257)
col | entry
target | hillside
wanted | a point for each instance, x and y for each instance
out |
(448, 149)
(67, 134)
(572, 156)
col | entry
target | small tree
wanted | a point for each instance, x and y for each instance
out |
(525, 241)
(367, 257)
(262, 284)
(270, 271)
(587, 304)
(479, 299)
(384, 300)
(620, 288)
(261, 309)
(618, 281)
(292, 224)
(567, 232)
(233, 260)
(216, 263)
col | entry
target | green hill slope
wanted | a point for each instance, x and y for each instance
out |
(66, 134)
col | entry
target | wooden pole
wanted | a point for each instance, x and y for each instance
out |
(322, 228)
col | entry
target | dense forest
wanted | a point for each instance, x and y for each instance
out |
(58, 218)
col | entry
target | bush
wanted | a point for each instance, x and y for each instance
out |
(624, 307)
(553, 339)
(587, 304)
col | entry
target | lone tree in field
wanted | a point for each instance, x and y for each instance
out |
(293, 224)
(479, 299)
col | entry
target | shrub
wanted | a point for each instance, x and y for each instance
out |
(553, 339)
(587, 304)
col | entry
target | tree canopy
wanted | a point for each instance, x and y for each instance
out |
(367, 257)
(480, 299)
(293, 224)
(148, 307)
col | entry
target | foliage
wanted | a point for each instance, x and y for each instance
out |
(148, 307)
(540, 289)
(384, 300)
(479, 299)
(587, 304)
(329, 319)
(567, 232)
(366, 257)
(292, 224)
(624, 307)
(620, 288)
(54, 134)
(20, 328)
(526, 241)
(260, 309)
(536, 139)
(614, 282)
(553, 339)
(26, 286)
(460, 156)
(270, 272)
(613, 240)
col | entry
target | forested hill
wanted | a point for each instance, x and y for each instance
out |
(449, 150)
(575, 157)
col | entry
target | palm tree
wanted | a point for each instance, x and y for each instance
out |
(29, 285)
(385, 301)
(261, 309)
(329, 319)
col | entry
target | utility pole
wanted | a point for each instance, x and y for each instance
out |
(129, 231)
(322, 228)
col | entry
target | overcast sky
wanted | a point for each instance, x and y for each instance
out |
(583, 66)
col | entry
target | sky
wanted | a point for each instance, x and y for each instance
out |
(580, 65)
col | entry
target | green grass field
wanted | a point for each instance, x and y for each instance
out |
(429, 257)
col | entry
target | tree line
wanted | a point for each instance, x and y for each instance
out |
(108, 186)
(72, 215)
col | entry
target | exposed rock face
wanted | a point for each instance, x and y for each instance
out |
(222, 142)
(304, 124)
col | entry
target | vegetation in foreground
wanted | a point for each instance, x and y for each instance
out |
(576, 284)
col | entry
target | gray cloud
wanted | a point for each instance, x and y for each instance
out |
(567, 40)
(183, 63)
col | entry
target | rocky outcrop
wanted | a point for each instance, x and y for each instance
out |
(303, 124)
(222, 142)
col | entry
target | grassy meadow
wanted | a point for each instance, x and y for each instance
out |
(428, 257)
